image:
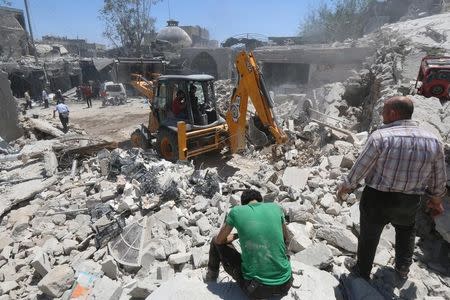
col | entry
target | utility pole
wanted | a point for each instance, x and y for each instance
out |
(31, 30)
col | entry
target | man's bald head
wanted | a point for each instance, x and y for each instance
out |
(397, 108)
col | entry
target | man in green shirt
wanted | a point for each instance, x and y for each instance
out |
(263, 270)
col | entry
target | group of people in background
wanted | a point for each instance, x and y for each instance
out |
(61, 107)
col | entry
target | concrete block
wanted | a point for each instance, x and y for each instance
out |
(204, 225)
(7, 286)
(57, 281)
(107, 195)
(295, 178)
(41, 262)
(109, 267)
(199, 257)
(179, 258)
(106, 289)
(298, 237)
(168, 217)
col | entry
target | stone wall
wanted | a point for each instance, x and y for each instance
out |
(220, 61)
(9, 129)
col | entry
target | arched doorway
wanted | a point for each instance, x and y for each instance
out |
(204, 63)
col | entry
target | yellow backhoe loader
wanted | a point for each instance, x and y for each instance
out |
(185, 121)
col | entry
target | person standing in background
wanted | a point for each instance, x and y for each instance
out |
(45, 98)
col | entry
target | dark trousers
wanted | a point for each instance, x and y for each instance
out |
(28, 105)
(45, 103)
(377, 209)
(89, 101)
(231, 262)
(64, 122)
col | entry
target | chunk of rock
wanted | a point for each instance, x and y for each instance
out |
(7, 286)
(327, 200)
(106, 289)
(204, 225)
(295, 178)
(317, 255)
(142, 289)
(314, 283)
(57, 281)
(109, 267)
(335, 161)
(298, 237)
(334, 209)
(199, 258)
(339, 237)
(179, 258)
(41, 262)
(168, 217)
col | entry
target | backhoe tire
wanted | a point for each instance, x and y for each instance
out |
(167, 144)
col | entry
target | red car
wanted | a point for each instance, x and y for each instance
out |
(434, 74)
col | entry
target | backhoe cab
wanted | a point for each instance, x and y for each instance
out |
(188, 122)
(185, 121)
(434, 78)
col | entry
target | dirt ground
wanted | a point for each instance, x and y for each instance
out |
(111, 123)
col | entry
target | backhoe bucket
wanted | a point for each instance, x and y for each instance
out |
(255, 135)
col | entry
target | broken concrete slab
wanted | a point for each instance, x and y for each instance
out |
(311, 279)
(45, 127)
(182, 287)
(295, 178)
(24, 191)
(50, 163)
(317, 255)
(36, 149)
(109, 267)
(5, 240)
(334, 161)
(41, 262)
(338, 236)
(9, 127)
(179, 258)
(106, 289)
(32, 169)
(168, 217)
(57, 281)
(199, 257)
(7, 286)
(298, 237)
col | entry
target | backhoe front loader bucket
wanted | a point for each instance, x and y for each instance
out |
(256, 136)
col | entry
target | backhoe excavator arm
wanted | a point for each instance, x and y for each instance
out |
(250, 85)
(144, 86)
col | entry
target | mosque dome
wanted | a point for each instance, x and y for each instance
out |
(174, 34)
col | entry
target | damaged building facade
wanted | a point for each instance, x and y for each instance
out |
(13, 41)
(77, 46)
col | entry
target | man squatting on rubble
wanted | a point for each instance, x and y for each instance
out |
(400, 163)
(63, 112)
(263, 270)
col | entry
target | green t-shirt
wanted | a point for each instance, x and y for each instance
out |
(261, 239)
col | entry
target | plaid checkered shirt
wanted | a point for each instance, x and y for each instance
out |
(401, 157)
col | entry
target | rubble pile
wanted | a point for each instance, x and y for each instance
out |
(224, 91)
(123, 223)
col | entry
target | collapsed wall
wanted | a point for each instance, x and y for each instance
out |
(9, 128)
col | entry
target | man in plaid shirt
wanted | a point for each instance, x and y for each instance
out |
(400, 163)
